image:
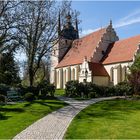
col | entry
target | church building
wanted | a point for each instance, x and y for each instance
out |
(99, 57)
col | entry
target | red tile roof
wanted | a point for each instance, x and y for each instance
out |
(121, 51)
(82, 47)
(97, 69)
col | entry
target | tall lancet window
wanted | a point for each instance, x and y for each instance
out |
(124, 73)
(58, 77)
(65, 76)
(112, 74)
(73, 74)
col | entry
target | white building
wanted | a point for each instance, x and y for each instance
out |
(99, 57)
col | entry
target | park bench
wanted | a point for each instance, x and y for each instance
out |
(13, 95)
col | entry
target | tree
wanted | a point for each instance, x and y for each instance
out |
(9, 70)
(7, 25)
(41, 74)
(37, 31)
(134, 76)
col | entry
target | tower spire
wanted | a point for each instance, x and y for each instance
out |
(110, 23)
(59, 24)
(76, 26)
(68, 19)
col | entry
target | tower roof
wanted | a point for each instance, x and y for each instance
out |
(69, 32)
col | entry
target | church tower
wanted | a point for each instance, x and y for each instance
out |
(65, 38)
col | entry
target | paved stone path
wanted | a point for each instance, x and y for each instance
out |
(54, 125)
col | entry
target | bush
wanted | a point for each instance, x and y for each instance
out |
(44, 92)
(92, 95)
(29, 97)
(72, 88)
(123, 89)
(2, 99)
(3, 89)
(90, 90)
(51, 90)
(46, 89)
(111, 91)
(33, 90)
(84, 90)
(23, 90)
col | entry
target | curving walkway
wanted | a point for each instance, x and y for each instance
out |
(54, 125)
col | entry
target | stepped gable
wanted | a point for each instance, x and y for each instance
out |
(82, 47)
(121, 51)
(97, 69)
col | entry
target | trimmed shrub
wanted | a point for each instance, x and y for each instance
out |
(46, 89)
(72, 88)
(29, 97)
(123, 89)
(90, 90)
(2, 99)
(110, 91)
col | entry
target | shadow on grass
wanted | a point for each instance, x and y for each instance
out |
(12, 109)
(3, 117)
(45, 103)
(50, 102)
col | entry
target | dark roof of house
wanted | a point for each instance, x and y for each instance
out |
(97, 69)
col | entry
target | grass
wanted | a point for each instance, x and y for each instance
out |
(114, 119)
(60, 92)
(15, 118)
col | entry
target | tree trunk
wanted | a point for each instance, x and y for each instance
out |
(31, 75)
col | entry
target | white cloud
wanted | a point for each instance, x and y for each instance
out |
(132, 18)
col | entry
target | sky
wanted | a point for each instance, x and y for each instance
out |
(125, 16)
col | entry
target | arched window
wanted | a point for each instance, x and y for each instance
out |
(58, 77)
(73, 74)
(65, 76)
(69, 74)
(124, 73)
(112, 74)
(77, 72)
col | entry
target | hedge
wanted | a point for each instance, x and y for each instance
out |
(90, 90)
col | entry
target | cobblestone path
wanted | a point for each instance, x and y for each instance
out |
(55, 124)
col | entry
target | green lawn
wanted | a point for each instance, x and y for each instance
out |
(60, 92)
(17, 117)
(114, 119)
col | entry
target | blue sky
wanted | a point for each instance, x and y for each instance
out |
(96, 14)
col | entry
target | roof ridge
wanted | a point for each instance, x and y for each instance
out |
(91, 33)
(128, 38)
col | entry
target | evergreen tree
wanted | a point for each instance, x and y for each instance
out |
(134, 76)
(9, 71)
